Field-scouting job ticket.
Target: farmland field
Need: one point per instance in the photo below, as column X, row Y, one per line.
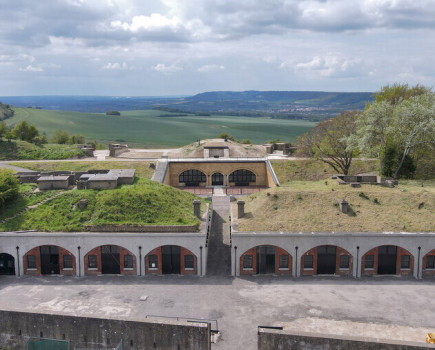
column 146, row 128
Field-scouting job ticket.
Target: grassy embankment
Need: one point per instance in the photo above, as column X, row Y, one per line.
column 146, row 128
column 144, row 203
column 21, row 150
column 314, row 206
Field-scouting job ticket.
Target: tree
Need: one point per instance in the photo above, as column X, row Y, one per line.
column 330, row 142
column 25, row 132
column 60, row 136
column 401, row 118
column 76, row 139
column 8, row 186
column 3, row 129
column 112, row 112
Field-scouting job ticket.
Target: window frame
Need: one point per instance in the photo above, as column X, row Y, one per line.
column 151, row 258
column 248, row 262
column 430, row 262
column 307, row 265
column 405, row 262
column 92, row 260
column 31, row 264
column 242, row 175
column 67, row 260
column 371, row 261
column 282, row 265
column 128, row 261
column 192, row 176
column 344, row 265
column 189, row 264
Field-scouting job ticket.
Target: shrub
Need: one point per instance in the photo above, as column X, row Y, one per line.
column 363, row 195
column 226, row 136
column 111, row 112
column 246, row 142
column 8, row 186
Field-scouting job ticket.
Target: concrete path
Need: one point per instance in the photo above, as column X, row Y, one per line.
column 219, row 251
column 4, row 165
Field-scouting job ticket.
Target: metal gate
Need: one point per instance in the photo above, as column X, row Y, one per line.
column 217, row 179
column 47, row 344
column 265, row 259
column 110, row 259
column 171, row 259
column 49, row 260
column 387, row 258
column 326, row 259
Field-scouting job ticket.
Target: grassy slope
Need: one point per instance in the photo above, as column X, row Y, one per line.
column 146, row 128
column 142, row 168
column 24, row 150
column 145, row 203
column 313, row 206
column 314, row 170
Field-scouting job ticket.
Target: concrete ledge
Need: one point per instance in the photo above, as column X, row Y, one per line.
column 271, row 339
column 139, row 228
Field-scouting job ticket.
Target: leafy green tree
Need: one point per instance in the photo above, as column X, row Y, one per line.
column 3, row 129
column 60, row 137
column 226, row 136
column 8, row 186
column 329, row 141
column 76, row 139
column 25, row 132
column 394, row 94
column 246, row 141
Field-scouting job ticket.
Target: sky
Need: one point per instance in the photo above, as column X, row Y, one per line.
column 183, row 47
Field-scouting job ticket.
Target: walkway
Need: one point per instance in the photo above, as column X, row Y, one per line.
column 219, row 250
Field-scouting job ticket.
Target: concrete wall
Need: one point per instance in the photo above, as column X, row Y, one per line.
column 272, row 339
column 87, row 332
column 356, row 244
column 81, row 243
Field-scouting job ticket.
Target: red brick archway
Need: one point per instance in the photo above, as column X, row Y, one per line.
column 94, row 260
column 314, row 261
column 156, row 261
column 373, row 260
column 49, row 259
column 266, row 259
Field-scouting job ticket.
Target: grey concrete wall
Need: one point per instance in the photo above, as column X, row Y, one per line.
column 272, row 339
column 90, row 240
column 357, row 244
column 144, row 228
column 88, row 332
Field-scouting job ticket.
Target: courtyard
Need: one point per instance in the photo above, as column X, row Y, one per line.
column 385, row 308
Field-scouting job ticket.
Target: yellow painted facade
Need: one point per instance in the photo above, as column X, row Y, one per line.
column 259, row 168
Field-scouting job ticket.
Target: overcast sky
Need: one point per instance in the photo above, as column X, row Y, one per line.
column 181, row 47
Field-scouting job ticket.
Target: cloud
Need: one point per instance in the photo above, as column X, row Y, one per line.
column 31, row 68
column 117, row 66
column 161, row 67
column 326, row 66
column 210, row 67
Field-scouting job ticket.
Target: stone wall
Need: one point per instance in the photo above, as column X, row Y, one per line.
column 271, row 339
column 17, row 328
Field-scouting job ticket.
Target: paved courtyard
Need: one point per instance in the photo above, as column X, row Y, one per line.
column 239, row 305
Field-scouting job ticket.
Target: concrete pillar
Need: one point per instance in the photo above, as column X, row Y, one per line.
column 344, row 206
column 197, row 208
column 226, row 183
column 240, row 209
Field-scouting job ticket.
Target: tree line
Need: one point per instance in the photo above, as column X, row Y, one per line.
column 26, row 132
column 398, row 128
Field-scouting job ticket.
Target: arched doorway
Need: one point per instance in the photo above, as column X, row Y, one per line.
column 110, row 260
column 326, row 259
column 265, row 259
column 7, row 264
column 217, row 179
column 50, row 260
column 242, row 177
column 387, row 259
column 170, row 259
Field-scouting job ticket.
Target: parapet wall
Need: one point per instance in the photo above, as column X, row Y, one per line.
column 271, row 339
column 17, row 328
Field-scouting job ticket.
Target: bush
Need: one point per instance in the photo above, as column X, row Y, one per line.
column 246, row 142
column 226, row 136
column 113, row 112
column 8, row 186
column 60, row 137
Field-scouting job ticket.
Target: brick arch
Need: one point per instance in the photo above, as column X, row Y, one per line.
column 157, row 252
column 241, row 169
column 428, row 270
column 34, row 255
column 193, row 169
column 374, row 252
column 98, row 269
column 278, row 253
column 312, row 254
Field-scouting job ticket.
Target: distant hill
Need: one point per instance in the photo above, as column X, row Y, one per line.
column 308, row 105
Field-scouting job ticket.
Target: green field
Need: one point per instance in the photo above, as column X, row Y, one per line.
column 147, row 129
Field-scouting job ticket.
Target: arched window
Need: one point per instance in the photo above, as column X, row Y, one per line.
column 242, row 177
column 192, row 177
